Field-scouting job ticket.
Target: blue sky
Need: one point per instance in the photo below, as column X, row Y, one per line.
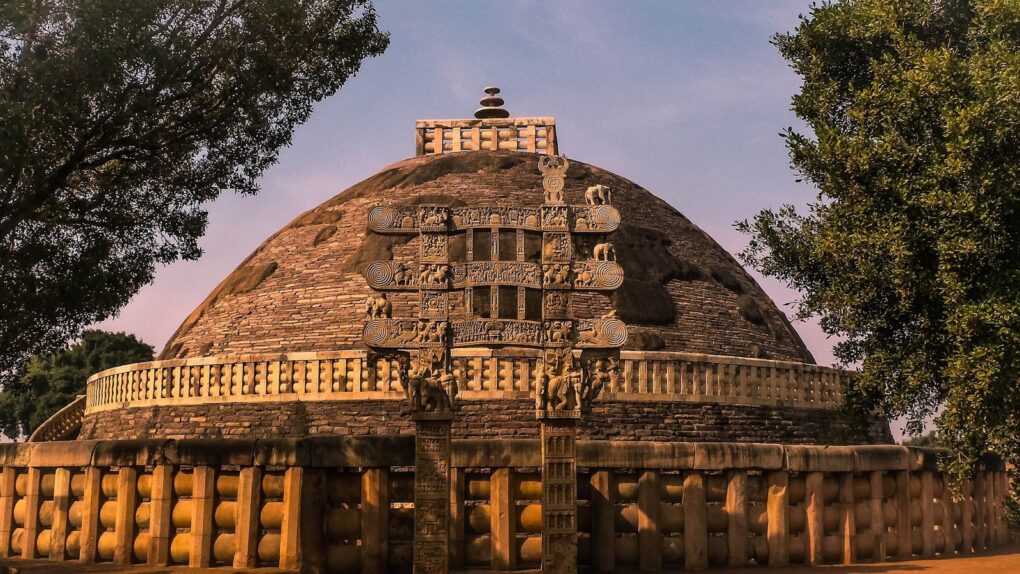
column 685, row 98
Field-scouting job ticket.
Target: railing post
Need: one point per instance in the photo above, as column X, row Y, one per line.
column 967, row 518
column 160, row 526
column 457, row 486
column 61, row 503
column 695, row 510
column 814, row 498
column 503, row 529
column 905, row 542
column 375, row 509
column 979, row 511
column 649, row 540
column 927, row 514
column 91, row 501
column 878, row 528
column 124, row 528
column 249, row 502
column 778, row 518
column 7, row 478
column 736, row 511
column 603, row 521
column 203, row 499
column 848, row 524
column 31, row 513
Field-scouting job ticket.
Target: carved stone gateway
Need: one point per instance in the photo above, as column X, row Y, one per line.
column 580, row 354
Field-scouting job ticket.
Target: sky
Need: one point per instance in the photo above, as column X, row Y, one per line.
column 686, row 98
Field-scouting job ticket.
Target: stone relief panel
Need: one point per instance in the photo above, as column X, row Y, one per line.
column 434, row 219
column 405, row 333
column 497, row 331
column 434, row 247
column 556, row 247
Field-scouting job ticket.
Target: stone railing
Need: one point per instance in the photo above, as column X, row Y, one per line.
column 535, row 135
column 484, row 374
column 63, row 425
column 346, row 504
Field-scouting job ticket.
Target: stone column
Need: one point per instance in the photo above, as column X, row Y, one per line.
column 559, row 493
column 432, row 492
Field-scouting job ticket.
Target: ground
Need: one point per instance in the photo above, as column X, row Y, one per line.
column 1005, row 561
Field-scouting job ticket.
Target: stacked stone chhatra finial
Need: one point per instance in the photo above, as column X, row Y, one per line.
column 491, row 105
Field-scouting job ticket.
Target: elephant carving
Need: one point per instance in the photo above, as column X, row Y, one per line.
column 604, row 251
column 599, row 195
column 377, row 306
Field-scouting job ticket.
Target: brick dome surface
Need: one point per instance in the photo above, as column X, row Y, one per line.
column 302, row 289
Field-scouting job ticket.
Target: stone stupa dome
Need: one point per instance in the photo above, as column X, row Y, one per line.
column 687, row 345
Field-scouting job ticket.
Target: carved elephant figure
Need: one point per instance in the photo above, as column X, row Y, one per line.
column 378, row 306
column 598, row 194
column 604, row 251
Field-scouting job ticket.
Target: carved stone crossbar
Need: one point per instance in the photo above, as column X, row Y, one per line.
column 572, row 218
column 416, row 333
column 583, row 275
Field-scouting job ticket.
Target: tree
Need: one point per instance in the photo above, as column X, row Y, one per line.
column 50, row 382
column 120, row 121
column 927, row 440
column 910, row 253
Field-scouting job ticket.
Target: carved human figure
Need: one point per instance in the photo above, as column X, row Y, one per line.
column 598, row 194
column 599, row 373
column 377, row 306
column 605, row 251
column 562, row 389
column 541, row 386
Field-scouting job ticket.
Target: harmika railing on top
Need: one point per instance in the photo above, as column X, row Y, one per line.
column 535, row 135
column 483, row 373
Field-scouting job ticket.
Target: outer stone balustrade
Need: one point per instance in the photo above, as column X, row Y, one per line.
column 482, row 373
column 346, row 504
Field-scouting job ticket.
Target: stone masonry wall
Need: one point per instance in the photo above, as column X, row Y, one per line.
column 674, row 421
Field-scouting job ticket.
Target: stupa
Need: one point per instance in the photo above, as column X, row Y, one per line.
column 487, row 356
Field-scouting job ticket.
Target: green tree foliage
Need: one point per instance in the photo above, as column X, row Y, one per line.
column 911, row 253
column 120, row 120
column 926, row 440
column 50, row 382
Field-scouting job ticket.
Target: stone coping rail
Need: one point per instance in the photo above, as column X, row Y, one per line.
column 484, row 373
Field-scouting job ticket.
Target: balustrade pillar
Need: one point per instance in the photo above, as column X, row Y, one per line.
column 503, row 520
column 375, row 508
column 777, row 507
column 603, row 521
column 7, row 479
column 736, row 511
column 61, row 503
column 695, row 507
column 649, row 539
column 160, row 520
